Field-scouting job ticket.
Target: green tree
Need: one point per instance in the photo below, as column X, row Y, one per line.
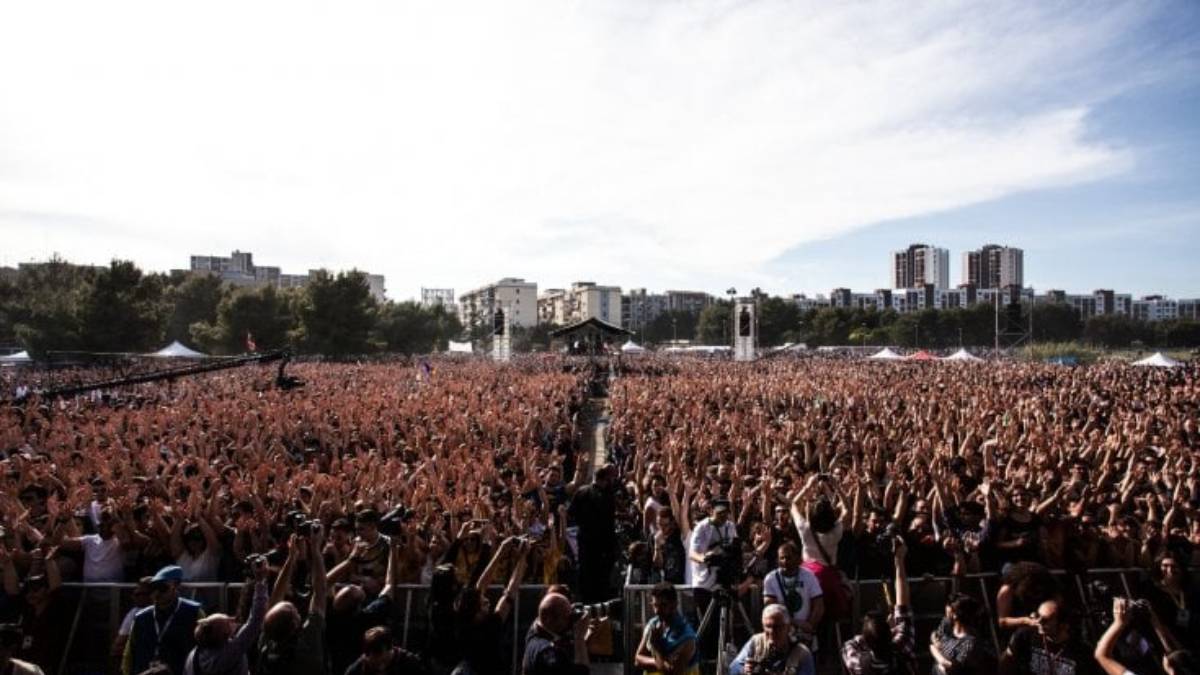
column 336, row 314
column 44, row 311
column 713, row 326
column 1111, row 330
column 264, row 313
column 123, row 310
column 194, row 300
column 670, row 325
column 409, row 328
column 778, row 321
column 1056, row 322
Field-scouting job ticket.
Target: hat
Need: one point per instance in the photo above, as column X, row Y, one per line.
column 168, row 573
column 720, row 505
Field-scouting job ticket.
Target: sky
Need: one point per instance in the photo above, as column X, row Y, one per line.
column 667, row 145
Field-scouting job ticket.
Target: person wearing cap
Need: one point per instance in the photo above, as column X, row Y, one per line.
column 10, row 642
column 164, row 632
column 707, row 537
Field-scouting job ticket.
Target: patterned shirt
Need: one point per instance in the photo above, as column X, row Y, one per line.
column 860, row 660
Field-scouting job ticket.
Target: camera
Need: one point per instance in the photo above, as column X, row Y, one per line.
column 726, row 559
column 255, row 561
column 1138, row 610
column 600, row 610
column 885, row 541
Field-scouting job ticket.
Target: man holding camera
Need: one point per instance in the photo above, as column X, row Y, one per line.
column 773, row 651
column 707, row 550
column 221, row 646
column 557, row 641
column 797, row 590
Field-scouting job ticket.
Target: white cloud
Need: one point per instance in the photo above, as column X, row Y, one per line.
column 661, row 144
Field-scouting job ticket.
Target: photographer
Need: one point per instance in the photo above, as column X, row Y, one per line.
column 10, row 640
column 221, row 647
column 480, row 627
column 884, row 648
column 797, row 590
column 549, row 649
column 708, row 549
column 669, row 643
column 773, row 652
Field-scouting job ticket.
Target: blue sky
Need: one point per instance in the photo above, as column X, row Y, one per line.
column 773, row 143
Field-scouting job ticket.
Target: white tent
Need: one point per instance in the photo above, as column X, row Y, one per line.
column 19, row 357
column 962, row 355
column 632, row 347
column 177, row 350
column 1158, row 360
column 460, row 347
column 885, row 354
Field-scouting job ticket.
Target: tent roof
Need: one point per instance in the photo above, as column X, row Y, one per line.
column 632, row 346
column 593, row 322
column 178, row 350
column 1158, row 360
column 20, row 357
column 921, row 356
column 886, row 353
column 460, row 347
column 962, row 355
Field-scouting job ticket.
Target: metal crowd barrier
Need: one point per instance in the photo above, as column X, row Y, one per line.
column 101, row 607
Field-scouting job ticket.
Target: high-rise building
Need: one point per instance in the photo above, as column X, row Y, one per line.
column 583, row 300
column 994, row 267
column 919, row 265
column 239, row 269
column 432, row 297
column 516, row 296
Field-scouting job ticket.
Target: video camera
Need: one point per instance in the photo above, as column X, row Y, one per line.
column 726, row 559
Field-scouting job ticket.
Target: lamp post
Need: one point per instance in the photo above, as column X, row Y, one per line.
column 674, row 333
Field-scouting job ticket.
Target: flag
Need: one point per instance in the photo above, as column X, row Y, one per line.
column 250, row 346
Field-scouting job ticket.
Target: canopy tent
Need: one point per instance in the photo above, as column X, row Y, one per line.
column 962, row 355
column 590, row 337
column 632, row 347
column 1158, row 360
column 1063, row 361
column 177, row 350
column 921, row 356
column 460, row 348
column 19, row 357
column 885, row 354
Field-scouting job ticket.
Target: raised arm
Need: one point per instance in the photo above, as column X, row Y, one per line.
column 320, row 585
column 1108, row 641
column 283, row 582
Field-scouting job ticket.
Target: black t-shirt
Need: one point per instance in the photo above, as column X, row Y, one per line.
column 594, row 511
column 1034, row 656
column 346, row 630
column 674, row 559
column 481, row 643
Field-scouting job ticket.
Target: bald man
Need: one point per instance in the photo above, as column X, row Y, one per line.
column 289, row 644
column 548, row 645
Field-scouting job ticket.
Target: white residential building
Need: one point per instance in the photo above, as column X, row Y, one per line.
column 994, row 267
column 515, row 296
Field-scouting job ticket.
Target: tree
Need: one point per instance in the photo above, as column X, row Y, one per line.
column 675, row 324
column 336, row 314
column 1056, row 322
column 194, row 300
column 264, row 313
column 410, row 328
column 43, row 310
column 123, row 310
column 1111, row 330
column 778, row 321
column 713, row 326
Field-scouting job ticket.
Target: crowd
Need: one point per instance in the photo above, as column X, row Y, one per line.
column 785, row 480
column 823, row 471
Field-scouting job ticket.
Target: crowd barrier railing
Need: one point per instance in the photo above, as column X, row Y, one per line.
column 100, row 609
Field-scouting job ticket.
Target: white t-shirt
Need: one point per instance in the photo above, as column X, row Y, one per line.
column 199, row 568
column 103, row 559
column 829, row 540
column 704, row 538
column 804, row 589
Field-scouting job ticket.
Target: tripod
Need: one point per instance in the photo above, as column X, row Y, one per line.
column 721, row 607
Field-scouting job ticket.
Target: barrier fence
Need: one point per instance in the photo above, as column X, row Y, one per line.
column 98, row 609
